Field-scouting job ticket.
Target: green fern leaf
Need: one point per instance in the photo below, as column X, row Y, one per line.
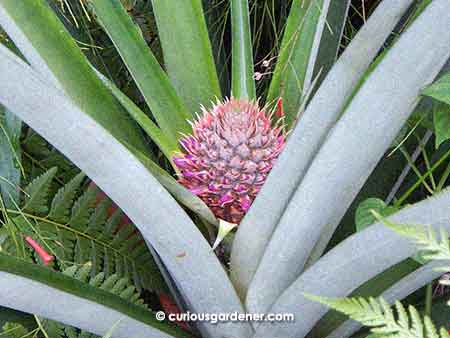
column 417, row 326
column 14, row 330
column 444, row 333
column 36, row 193
column 82, row 209
column 87, row 233
column 380, row 318
column 425, row 238
column 52, row 329
column 364, row 216
column 83, row 272
column 403, row 318
column 64, row 200
column 430, row 329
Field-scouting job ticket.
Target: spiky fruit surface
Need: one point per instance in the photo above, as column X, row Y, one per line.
column 227, row 159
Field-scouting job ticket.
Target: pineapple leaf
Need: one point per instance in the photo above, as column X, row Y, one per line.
column 155, row 212
column 317, row 120
column 29, row 287
column 167, row 145
column 285, row 257
column 36, row 193
column 56, row 55
column 309, row 48
column 195, row 82
column 166, row 106
column 10, row 157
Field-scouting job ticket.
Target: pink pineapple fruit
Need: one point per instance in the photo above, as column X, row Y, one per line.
column 229, row 155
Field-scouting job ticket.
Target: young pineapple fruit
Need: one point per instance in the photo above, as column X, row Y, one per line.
column 229, row 155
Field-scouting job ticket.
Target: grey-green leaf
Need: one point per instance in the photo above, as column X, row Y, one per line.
column 52, row 52
column 160, row 219
column 10, row 157
column 361, row 256
column 34, row 289
column 387, row 98
column 321, row 114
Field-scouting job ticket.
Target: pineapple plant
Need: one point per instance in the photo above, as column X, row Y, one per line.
column 285, row 167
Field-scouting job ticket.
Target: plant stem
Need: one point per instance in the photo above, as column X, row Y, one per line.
column 428, row 299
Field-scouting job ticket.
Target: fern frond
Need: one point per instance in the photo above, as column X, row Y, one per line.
column 433, row 247
column 77, row 229
column 40, row 156
column 63, row 200
column 377, row 314
column 36, row 193
column 14, row 330
column 115, row 284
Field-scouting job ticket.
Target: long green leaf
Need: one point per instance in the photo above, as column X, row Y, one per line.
column 34, row 289
column 162, row 222
column 309, row 48
column 330, row 42
column 242, row 81
column 168, row 147
column 166, row 144
column 10, row 157
column 54, row 53
column 167, row 108
column 304, row 142
column 188, row 56
column 293, row 60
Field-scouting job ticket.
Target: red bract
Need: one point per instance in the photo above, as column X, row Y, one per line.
column 228, row 157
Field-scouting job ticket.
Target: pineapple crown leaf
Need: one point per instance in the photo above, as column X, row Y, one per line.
column 383, row 320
